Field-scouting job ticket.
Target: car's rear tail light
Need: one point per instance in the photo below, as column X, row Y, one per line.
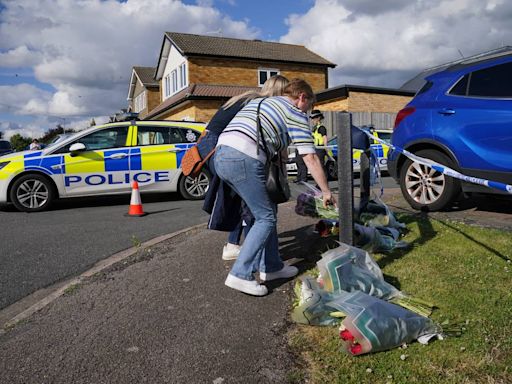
column 402, row 114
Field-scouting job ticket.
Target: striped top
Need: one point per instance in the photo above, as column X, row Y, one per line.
column 282, row 124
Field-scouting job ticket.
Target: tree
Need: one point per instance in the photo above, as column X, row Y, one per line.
column 20, row 143
column 50, row 134
column 1, row 134
column 93, row 122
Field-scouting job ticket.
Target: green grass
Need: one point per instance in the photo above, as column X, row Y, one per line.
column 466, row 271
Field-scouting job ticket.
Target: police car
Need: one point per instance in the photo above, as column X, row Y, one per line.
column 104, row 160
column 381, row 151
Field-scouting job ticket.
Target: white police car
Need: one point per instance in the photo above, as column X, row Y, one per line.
column 103, row 160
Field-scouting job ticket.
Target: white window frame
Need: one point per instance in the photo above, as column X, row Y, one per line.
column 174, row 81
column 267, row 71
column 183, row 75
column 140, row 102
column 167, row 86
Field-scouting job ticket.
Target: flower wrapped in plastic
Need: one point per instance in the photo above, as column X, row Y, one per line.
column 377, row 239
column 328, row 227
column 373, row 325
column 349, row 269
column 311, row 305
column 375, row 213
column 310, row 203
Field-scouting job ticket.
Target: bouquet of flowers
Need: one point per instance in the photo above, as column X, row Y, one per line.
column 328, row 227
column 373, row 325
column 311, row 306
column 377, row 239
column 377, row 214
column 310, row 203
column 349, row 269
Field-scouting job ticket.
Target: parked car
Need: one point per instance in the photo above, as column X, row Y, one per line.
column 5, row 147
column 461, row 118
column 331, row 164
column 103, row 160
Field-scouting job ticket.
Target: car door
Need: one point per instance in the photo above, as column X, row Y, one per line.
column 475, row 118
column 102, row 168
column 156, row 157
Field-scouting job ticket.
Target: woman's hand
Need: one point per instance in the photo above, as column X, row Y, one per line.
column 329, row 199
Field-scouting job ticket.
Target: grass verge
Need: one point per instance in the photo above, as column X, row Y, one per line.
column 467, row 272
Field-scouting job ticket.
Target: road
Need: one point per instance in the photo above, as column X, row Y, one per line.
column 40, row 249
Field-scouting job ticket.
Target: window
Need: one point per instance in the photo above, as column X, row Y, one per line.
column 190, row 135
column 460, row 89
column 155, row 135
column 492, row 82
column 113, row 137
column 183, row 75
column 174, row 81
column 140, row 102
column 167, row 86
column 266, row 73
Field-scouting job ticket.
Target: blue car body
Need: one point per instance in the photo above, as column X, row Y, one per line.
column 465, row 113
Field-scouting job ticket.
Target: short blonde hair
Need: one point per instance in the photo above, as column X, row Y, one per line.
column 274, row 86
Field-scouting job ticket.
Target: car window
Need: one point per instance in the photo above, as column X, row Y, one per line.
column 5, row 144
column 190, row 135
column 107, row 138
column 425, row 87
column 386, row 136
column 460, row 89
column 492, row 82
column 155, row 135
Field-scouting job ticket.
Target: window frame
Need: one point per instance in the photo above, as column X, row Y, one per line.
column 268, row 72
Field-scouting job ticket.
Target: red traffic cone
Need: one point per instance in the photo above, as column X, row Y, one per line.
column 135, row 203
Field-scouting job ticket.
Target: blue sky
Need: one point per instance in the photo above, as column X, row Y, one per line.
column 68, row 61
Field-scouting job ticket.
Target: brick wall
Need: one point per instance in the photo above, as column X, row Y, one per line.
column 362, row 102
column 195, row 110
column 359, row 101
column 245, row 73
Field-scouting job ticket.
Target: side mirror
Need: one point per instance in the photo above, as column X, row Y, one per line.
column 77, row 147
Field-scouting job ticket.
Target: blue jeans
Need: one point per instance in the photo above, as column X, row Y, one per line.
column 246, row 175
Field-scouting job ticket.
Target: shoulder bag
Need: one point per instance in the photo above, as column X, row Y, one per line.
column 276, row 182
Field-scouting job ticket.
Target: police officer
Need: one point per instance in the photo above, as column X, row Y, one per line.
column 319, row 135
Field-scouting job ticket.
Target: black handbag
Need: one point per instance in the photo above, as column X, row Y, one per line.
column 276, row 181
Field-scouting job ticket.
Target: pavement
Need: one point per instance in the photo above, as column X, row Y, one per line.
column 160, row 313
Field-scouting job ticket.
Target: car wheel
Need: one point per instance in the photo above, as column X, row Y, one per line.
column 195, row 188
column 32, row 193
column 332, row 170
column 425, row 188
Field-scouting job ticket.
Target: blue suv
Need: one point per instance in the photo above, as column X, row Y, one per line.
column 461, row 118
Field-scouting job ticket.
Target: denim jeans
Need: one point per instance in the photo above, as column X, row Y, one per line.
column 246, row 175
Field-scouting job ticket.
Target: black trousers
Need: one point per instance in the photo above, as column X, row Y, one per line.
column 302, row 170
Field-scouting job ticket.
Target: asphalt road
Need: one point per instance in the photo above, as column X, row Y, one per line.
column 40, row 249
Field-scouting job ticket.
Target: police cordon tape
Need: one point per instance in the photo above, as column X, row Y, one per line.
column 440, row 167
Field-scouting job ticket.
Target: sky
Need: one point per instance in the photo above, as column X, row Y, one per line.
column 68, row 61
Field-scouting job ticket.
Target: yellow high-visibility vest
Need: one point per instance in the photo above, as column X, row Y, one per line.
column 317, row 136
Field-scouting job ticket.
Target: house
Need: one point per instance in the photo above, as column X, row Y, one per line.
column 368, row 105
column 144, row 91
column 197, row 74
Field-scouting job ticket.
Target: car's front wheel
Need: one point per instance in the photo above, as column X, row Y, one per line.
column 195, row 188
column 32, row 193
column 423, row 187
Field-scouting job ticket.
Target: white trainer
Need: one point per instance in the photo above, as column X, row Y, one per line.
column 251, row 287
column 230, row 251
column 285, row 273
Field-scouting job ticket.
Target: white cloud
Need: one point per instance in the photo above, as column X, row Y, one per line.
column 23, row 99
column 85, row 49
column 381, row 43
